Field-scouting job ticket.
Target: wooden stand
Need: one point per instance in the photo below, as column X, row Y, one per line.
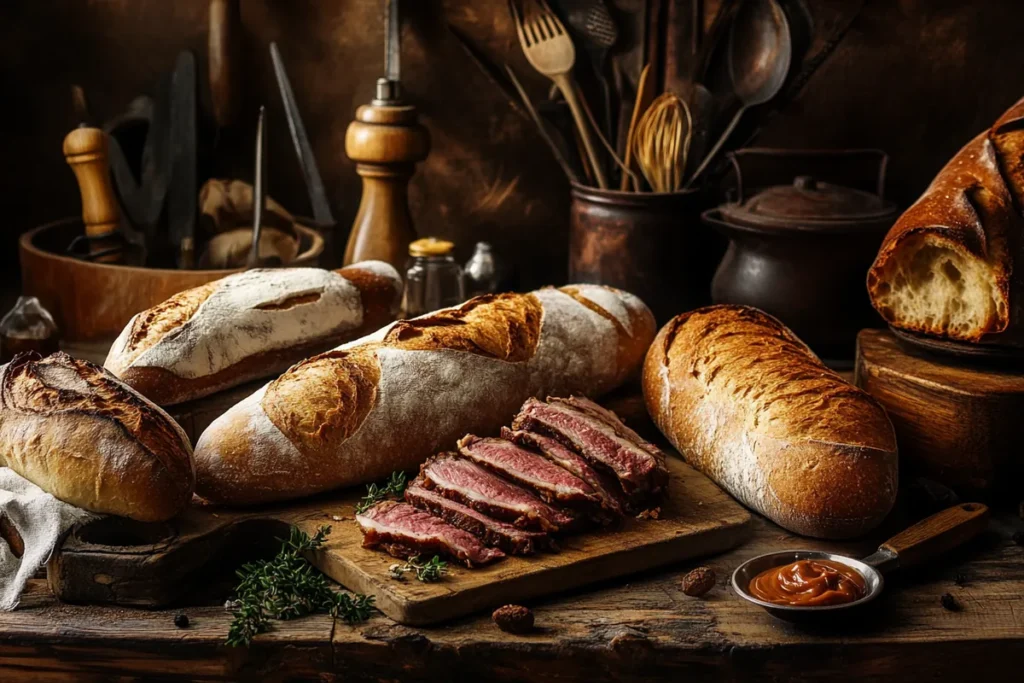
column 385, row 141
column 959, row 424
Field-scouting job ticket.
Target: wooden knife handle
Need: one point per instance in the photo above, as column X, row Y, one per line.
column 87, row 152
column 224, row 60
column 938, row 534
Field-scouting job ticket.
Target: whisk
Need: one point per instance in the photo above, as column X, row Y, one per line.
column 661, row 142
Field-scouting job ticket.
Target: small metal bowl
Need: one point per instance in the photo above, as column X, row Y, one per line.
column 741, row 578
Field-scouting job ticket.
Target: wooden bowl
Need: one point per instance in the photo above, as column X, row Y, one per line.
column 92, row 302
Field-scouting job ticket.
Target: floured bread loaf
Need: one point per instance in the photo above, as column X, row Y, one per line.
column 249, row 325
column 390, row 400
column 748, row 404
column 78, row 433
column 951, row 264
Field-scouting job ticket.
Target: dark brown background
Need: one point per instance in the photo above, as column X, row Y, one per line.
column 914, row 77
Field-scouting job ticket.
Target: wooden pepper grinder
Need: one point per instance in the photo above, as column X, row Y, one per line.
column 386, row 141
column 87, row 151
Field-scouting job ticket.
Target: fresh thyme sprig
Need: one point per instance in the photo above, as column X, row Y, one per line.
column 395, row 486
column 287, row 587
column 427, row 572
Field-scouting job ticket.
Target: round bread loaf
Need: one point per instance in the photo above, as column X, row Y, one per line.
column 249, row 325
column 390, row 400
column 748, row 404
column 78, row 433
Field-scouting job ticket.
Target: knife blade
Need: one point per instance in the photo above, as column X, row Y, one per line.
column 310, row 171
column 182, row 199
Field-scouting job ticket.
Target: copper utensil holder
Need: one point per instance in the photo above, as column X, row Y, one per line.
column 650, row 244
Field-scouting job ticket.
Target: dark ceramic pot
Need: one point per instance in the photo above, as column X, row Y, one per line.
column 650, row 244
column 801, row 250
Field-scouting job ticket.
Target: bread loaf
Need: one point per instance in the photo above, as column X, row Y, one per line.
column 749, row 405
column 953, row 264
column 249, row 325
column 392, row 399
column 77, row 432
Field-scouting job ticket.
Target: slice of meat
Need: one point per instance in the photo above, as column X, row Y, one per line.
column 640, row 473
column 529, row 469
column 492, row 532
column 585, row 405
column 607, row 488
column 472, row 485
column 404, row 531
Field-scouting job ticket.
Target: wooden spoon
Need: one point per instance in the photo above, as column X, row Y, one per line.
column 644, row 97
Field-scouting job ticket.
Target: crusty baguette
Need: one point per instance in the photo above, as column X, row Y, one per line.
column 392, row 399
column 953, row 265
column 77, row 432
column 748, row 404
column 249, row 325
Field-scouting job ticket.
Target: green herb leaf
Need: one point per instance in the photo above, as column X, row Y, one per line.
column 427, row 572
column 395, row 486
column 288, row 587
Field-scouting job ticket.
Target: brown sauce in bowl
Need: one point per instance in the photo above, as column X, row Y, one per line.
column 809, row 583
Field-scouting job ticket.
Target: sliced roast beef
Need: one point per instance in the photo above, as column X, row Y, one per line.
column 639, row 472
column 606, row 487
column 492, row 532
column 585, row 405
column 472, row 485
column 551, row 482
column 404, row 531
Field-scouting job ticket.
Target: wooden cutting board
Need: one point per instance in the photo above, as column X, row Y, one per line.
column 118, row 561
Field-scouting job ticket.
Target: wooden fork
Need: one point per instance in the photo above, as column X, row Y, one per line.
column 550, row 51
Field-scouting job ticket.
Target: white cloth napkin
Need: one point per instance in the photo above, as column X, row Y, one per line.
column 40, row 520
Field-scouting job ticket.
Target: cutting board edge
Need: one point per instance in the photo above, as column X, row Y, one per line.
column 731, row 533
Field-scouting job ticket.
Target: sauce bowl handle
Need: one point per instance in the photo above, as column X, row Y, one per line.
column 937, row 534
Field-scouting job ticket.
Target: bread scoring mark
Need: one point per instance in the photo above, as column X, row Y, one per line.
column 291, row 302
column 257, row 311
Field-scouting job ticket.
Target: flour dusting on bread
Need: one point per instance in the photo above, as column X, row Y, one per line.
column 467, row 369
column 253, row 312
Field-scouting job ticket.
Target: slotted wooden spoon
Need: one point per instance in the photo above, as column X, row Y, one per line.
column 550, row 51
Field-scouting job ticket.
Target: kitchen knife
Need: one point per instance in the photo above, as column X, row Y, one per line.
column 314, row 183
column 182, row 196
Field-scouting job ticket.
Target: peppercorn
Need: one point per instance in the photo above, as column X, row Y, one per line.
column 513, row 619
column 949, row 602
column 699, row 581
column 960, row 579
column 181, row 621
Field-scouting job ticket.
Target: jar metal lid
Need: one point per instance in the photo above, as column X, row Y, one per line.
column 430, row 246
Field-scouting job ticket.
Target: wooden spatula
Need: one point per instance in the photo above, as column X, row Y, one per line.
column 644, row 97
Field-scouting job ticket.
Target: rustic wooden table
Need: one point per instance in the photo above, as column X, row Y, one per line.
column 645, row 629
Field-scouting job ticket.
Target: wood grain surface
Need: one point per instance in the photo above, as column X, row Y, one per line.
column 126, row 563
column 643, row 629
column 959, row 424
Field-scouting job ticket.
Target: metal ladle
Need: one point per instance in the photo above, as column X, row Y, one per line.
column 923, row 541
column 759, row 52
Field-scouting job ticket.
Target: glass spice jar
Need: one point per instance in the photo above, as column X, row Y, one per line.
column 433, row 279
column 481, row 271
column 28, row 327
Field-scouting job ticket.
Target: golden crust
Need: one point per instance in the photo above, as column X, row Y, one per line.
column 973, row 207
column 747, row 403
column 79, row 433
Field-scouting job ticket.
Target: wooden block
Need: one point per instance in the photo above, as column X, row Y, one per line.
column 123, row 562
column 959, row 424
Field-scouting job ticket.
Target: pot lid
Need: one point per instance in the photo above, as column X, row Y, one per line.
column 809, row 202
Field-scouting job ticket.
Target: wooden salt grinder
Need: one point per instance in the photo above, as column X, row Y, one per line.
column 87, row 153
column 386, row 141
